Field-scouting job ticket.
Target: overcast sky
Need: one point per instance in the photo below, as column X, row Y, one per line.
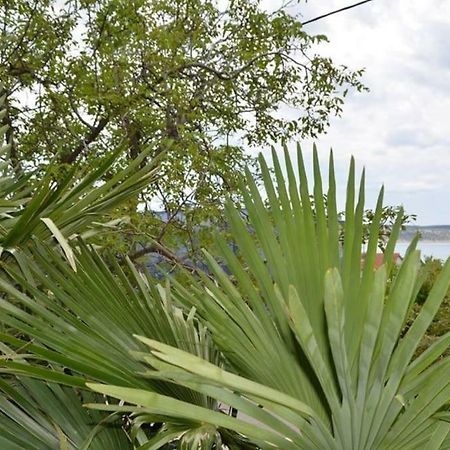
column 400, row 130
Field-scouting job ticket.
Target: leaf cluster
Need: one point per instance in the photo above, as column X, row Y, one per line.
column 205, row 78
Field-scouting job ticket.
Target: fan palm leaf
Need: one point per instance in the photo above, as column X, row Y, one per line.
column 74, row 204
column 315, row 332
column 40, row 416
column 78, row 326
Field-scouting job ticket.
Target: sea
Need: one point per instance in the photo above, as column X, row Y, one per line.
column 436, row 249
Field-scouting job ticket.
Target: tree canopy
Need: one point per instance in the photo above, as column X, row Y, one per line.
column 199, row 79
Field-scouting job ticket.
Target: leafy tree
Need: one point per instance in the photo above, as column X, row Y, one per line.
column 205, row 78
column 389, row 215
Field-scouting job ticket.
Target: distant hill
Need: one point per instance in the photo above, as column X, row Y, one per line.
column 435, row 233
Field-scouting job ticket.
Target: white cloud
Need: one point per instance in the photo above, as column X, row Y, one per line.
column 399, row 130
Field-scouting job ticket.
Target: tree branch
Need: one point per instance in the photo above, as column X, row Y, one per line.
column 156, row 247
column 9, row 135
column 231, row 75
column 70, row 158
column 133, row 132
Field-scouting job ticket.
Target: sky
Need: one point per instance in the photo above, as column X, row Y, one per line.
column 400, row 130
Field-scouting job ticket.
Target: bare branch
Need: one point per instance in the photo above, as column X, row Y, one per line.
column 77, row 113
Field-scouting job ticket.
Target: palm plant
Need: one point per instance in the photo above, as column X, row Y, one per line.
column 315, row 342
column 81, row 325
column 307, row 342
column 36, row 416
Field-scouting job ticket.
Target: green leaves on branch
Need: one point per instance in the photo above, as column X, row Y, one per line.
column 207, row 77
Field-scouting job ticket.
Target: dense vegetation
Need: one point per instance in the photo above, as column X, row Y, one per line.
column 431, row 270
column 198, row 79
column 299, row 338
column 286, row 340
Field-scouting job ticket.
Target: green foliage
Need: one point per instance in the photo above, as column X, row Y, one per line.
column 82, row 78
column 431, row 270
column 40, row 416
column 301, row 340
column 319, row 344
column 81, row 325
column 389, row 216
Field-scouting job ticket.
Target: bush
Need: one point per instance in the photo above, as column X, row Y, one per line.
column 430, row 271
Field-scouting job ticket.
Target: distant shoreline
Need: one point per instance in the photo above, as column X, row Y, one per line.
column 429, row 235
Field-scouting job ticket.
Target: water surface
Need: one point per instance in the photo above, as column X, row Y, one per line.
column 438, row 250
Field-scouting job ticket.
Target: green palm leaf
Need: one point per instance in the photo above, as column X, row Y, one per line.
column 40, row 416
column 315, row 333
column 75, row 203
column 81, row 325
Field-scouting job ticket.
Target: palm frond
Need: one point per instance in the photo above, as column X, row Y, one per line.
column 78, row 326
column 75, row 203
column 40, row 416
column 314, row 331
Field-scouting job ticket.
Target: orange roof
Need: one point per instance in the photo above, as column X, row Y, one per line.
column 379, row 259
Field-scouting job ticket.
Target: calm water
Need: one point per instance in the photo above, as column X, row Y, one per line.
column 439, row 250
